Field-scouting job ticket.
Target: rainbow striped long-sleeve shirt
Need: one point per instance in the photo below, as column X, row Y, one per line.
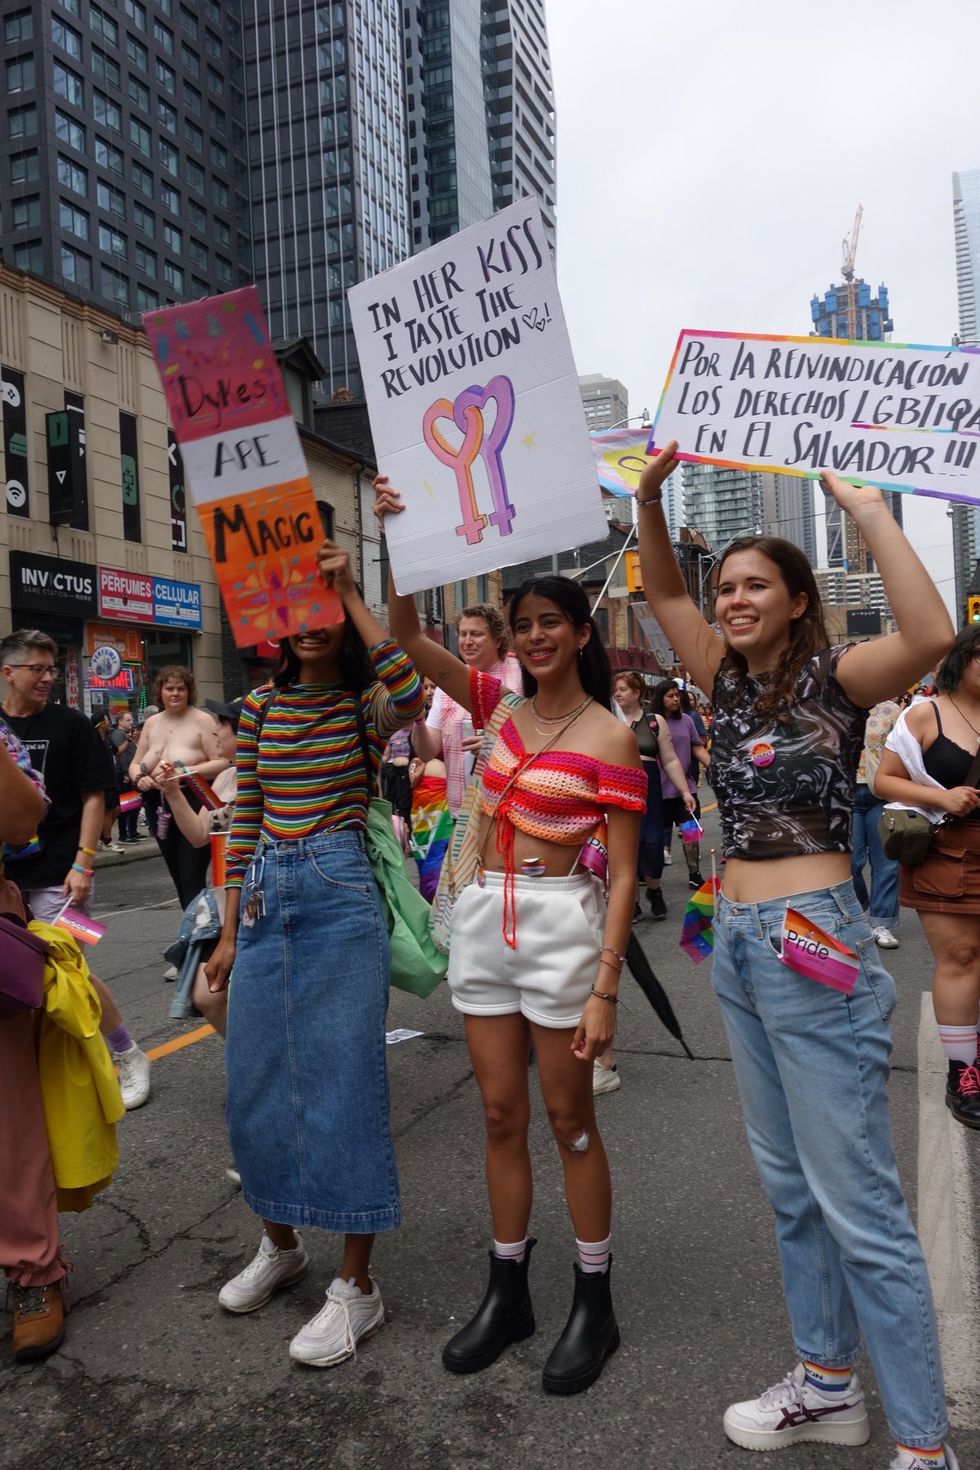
column 305, row 772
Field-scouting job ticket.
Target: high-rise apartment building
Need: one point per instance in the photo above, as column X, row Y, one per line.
column 722, row 503
column 520, row 105
column 122, row 148
column 966, row 235
column 788, row 511
column 605, row 400
column 327, row 155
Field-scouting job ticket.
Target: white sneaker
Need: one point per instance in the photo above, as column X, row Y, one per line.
column 171, row 972
column 333, row 1334
column 667, row 857
column 134, row 1076
column 269, row 1272
column 792, row 1411
column 111, row 847
column 904, row 1460
column 884, row 938
column 605, row 1079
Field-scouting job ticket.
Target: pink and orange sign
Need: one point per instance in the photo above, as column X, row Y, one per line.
column 244, row 465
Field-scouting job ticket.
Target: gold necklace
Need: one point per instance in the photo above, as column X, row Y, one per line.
column 552, row 720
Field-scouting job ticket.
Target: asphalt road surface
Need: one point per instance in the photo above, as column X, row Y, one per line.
column 153, row 1373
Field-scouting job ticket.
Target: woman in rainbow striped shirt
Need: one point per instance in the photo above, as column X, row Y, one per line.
column 308, row 1113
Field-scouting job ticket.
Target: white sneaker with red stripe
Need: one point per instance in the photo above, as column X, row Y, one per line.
column 792, row 1411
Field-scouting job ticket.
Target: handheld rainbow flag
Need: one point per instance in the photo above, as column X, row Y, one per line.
column 80, row 926
column 130, row 801
column 697, row 932
column 812, row 952
column 431, row 830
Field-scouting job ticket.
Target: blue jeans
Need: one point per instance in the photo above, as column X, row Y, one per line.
column 812, row 1066
column 866, row 848
column 307, row 1107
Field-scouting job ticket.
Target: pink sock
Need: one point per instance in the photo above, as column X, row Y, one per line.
column 594, row 1255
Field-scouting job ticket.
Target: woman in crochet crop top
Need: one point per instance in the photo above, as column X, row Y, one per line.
column 812, row 1060
column 534, row 951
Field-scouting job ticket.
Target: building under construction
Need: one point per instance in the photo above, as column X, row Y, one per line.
column 850, row 311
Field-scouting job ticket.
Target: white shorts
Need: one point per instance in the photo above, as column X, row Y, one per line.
column 46, row 903
column 547, row 978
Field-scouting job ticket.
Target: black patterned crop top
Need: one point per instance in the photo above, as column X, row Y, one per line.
column 786, row 787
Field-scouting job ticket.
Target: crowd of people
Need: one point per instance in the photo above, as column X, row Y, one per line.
column 564, row 784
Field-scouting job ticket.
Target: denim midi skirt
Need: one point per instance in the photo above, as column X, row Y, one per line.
column 308, row 1108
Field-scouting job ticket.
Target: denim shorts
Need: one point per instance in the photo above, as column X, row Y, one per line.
column 308, row 1111
column 547, row 978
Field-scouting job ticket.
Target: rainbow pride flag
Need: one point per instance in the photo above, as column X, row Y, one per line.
column 12, row 854
column 812, row 952
column 80, row 926
column 697, row 930
column 431, row 830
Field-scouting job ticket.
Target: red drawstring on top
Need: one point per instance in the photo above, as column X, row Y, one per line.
column 504, row 843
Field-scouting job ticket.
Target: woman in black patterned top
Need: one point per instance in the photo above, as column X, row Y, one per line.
column 811, row 1041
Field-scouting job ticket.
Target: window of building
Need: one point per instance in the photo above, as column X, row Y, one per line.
column 22, row 121
column 143, row 179
column 197, row 251
column 164, row 36
column 67, row 130
column 173, row 238
column 105, row 111
column 107, row 155
column 145, row 220
column 222, row 268
column 197, row 215
column 212, row 45
column 192, row 99
column 167, row 77
column 167, row 6
column 103, row 25
column 167, row 116
column 73, row 219
column 110, row 198
column 68, row 84
column 136, row 13
column 146, row 299
column 194, row 174
column 139, row 93
column 188, row 22
column 113, row 242
column 20, row 74
column 75, row 266
column 169, row 157
column 137, row 53
column 114, row 285
column 66, row 37
column 145, row 260
column 72, row 176
column 173, row 275
column 199, row 287
column 190, row 59
column 193, row 135
column 18, row 27
column 171, row 198
column 105, row 66
column 25, row 214
column 219, row 192
column 29, row 256
column 140, row 137
column 222, row 232
column 24, row 167
column 213, row 11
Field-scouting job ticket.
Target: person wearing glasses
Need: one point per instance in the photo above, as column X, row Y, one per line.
column 56, row 866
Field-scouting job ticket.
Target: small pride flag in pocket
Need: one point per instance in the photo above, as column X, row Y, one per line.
column 813, row 952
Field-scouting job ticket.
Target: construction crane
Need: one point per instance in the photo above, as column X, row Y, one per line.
column 849, row 247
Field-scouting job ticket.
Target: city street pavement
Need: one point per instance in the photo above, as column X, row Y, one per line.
column 153, row 1373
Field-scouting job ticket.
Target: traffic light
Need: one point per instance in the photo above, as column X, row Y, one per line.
column 973, row 609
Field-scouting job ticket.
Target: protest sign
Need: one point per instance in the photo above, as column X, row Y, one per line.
column 903, row 417
column 244, row 465
column 474, row 402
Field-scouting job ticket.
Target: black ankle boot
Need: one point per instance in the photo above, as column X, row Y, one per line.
column 505, row 1315
column 590, row 1336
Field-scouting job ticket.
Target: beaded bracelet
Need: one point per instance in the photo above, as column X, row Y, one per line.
column 86, row 872
column 649, row 500
column 608, row 949
column 604, row 995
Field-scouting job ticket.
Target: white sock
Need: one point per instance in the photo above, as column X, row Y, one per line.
column 514, row 1251
column 959, row 1043
column 594, row 1255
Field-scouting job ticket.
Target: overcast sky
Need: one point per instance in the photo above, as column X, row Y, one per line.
column 712, row 155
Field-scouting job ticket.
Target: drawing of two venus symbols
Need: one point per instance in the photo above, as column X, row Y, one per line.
column 477, row 442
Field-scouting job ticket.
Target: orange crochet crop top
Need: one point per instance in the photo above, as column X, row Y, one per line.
column 562, row 795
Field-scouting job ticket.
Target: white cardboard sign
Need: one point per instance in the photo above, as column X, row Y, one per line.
column 905, row 418
column 474, row 404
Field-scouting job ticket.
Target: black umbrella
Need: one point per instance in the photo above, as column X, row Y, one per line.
column 642, row 972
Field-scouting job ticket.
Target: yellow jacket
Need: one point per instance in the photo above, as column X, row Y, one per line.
column 79, row 1089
